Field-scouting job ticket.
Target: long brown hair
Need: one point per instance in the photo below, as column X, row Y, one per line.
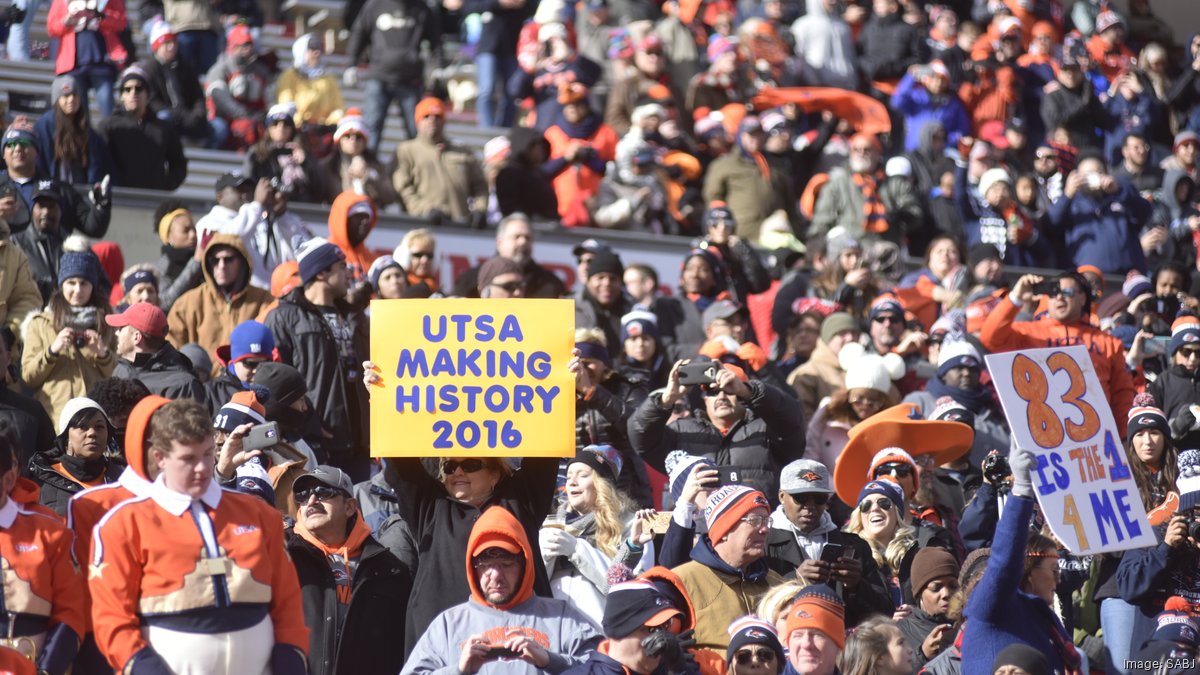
column 60, row 310
column 866, row 646
column 71, row 136
column 1168, row 471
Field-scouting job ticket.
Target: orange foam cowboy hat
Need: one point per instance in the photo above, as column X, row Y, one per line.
column 901, row 426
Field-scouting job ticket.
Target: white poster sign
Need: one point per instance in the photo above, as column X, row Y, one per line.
column 1056, row 407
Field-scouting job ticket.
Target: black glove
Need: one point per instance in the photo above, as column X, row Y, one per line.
column 437, row 217
column 1185, row 422
column 672, row 648
column 11, row 14
column 477, row 220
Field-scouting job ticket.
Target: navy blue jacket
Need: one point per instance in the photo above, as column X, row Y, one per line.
column 1102, row 230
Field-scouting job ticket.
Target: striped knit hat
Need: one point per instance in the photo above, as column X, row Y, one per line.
column 1146, row 415
column 1185, row 330
column 727, row 505
column 243, row 408
column 679, row 465
column 819, row 607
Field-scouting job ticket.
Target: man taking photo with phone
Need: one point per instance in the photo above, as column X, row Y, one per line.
column 744, row 422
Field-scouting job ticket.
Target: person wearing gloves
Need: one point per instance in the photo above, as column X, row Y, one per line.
column 815, row 633
column 1013, row 602
column 802, row 528
column 540, row 634
column 579, row 543
column 728, row 572
column 1146, row 577
column 243, row 614
column 642, row 626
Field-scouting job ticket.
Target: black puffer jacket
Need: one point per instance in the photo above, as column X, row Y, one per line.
column 769, row 436
column 442, row 526
column 1174, row 391
column 166, row 373
column 365, row 643
column 305, row 342
column 57, row 489
column 888, row 47
column 522, row 186
column 603, row 419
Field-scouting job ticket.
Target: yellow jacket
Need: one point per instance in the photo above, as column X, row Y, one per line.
column 317, row 101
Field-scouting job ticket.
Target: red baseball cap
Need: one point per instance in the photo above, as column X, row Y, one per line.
column 143, row 316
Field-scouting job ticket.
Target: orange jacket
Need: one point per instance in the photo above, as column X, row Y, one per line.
column 577, row 183
column 29, row 495
column 41, row 581
column 1002, row 334
column 150, row 563
column 1112, row 61
column 13, row 662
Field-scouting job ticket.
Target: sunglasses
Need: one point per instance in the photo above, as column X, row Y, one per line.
column 253, row 364
column 1044, row 155
column 813, row 498
column 1189, row 353
column 224, row 260
column 19, row 143
column 869, row 505
column 322, row 492
column 135, row 89
column 888, row 318
column 421, row 254
column 764, row 655
column 711, row 392
column 1056, row 291
column 467, row 465
column 898, row 469
column 510, row 286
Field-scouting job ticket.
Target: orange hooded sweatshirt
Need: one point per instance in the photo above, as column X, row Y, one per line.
column 358, row 256
column 348, row 550
column 87, row 507
column 497, row 528
column 1002, row 334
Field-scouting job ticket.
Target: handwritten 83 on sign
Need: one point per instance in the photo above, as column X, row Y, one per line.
column 473, row 378
column 1056, row 407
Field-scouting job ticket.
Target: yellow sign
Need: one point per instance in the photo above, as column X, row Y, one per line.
column 473, row 378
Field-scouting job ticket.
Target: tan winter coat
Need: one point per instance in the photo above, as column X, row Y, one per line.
column 817, row 378
column 19, row 296
column 428, row 177
column 205, row 316
column 58, row 379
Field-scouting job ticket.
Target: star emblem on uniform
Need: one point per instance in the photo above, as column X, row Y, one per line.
column 96, row 571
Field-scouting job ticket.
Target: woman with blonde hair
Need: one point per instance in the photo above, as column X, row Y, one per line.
column 876, row 647
column 774, row 606
column 417, row 253
column 580, row 542
column 877, row 519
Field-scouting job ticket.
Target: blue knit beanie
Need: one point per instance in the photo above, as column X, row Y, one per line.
column 315, row 256
column 679, row 466
column 82, row 265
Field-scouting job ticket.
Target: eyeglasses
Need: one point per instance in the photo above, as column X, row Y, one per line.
column 813, row 498
column 755, row 521
column 323, row 493
column 869, row 505
column 421, row 254
column 133, row 88
column 888, row 318
column 898, row 469
column 1056, row 291
column 764, row 655
column 224, row 260
column 498, row 564
column 510, row 286
column 467, row 465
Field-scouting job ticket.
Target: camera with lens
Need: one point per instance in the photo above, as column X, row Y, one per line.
column 1045, row 287
column 81, row 320
column 996, row 469
column 585, row 153
column 1192, row 520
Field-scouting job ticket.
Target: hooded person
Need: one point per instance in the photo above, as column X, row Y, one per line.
column 581, row 145
column 521, row 184
column 209, row 312
column 290, row 407
column 351, row 219
column 88, row 507
column 236, row 90
column 310, row 85
column 280, row 463
column 826, row 46
column 541, row 634
column 80, row 456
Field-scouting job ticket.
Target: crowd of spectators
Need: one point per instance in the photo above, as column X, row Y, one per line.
column 789, row 459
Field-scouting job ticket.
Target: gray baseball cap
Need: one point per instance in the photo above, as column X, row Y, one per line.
column 805, row 475
column 325, row 475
